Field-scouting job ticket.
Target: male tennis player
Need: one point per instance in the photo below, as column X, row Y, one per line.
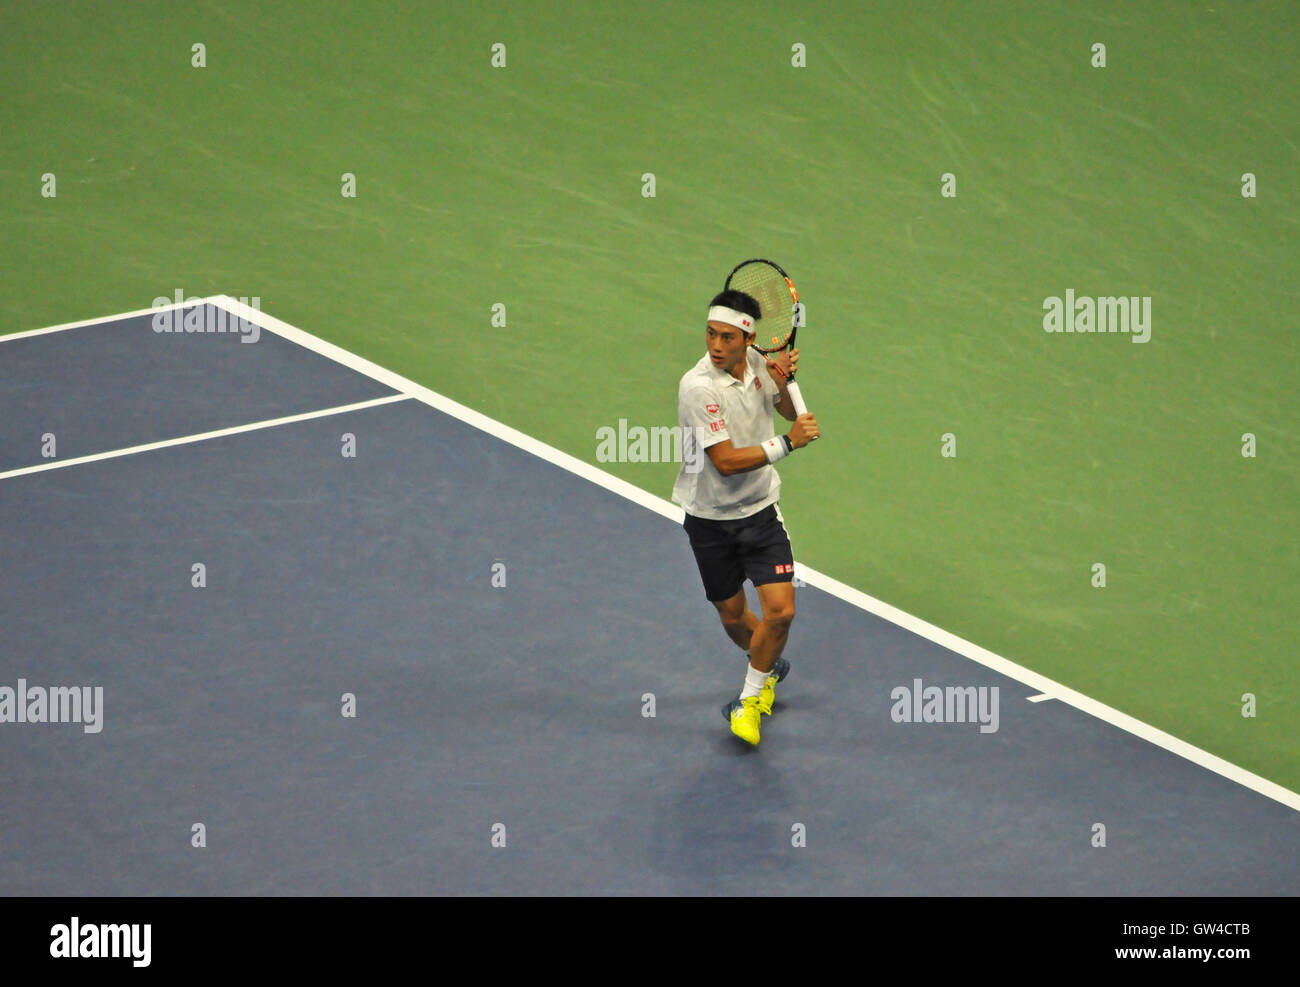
column 724, row 405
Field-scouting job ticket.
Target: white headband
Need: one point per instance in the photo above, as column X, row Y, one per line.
column 720, row 313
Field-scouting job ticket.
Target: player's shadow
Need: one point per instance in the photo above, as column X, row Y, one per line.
column 713, row 827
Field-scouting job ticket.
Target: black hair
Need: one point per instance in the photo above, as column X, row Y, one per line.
column 741, row 302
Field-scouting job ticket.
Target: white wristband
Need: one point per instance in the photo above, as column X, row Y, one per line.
column 776, row 448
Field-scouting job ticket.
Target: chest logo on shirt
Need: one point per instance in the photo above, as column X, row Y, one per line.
column 712, row 409
column 758, row 384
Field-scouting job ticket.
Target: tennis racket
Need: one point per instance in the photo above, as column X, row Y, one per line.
column 778, row 300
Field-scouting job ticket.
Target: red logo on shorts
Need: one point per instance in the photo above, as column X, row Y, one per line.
column 712, row 409
column 781, row 570
column 717, row 426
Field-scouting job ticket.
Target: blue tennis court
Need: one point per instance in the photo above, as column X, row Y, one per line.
column 418, row 658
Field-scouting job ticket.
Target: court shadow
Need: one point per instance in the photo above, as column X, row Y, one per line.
column 719, row 819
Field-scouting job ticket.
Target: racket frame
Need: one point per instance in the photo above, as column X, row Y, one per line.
column 796, row 396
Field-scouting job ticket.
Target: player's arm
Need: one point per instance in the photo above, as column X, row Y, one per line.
column 784, row 405
column 729, row 460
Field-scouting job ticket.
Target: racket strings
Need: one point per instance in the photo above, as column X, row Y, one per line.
column 771, row 290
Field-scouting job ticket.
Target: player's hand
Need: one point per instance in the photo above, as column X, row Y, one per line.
column 785, row 364
column 804, row 430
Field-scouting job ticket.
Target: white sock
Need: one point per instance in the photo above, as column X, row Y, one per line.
column 754, row 680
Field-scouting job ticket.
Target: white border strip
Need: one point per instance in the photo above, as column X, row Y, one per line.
column 407, row 388
column 342, row 409
column 102, row 319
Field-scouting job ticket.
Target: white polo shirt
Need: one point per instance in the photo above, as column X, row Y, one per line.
column 711, row 406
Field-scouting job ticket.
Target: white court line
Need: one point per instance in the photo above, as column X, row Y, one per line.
column 57, row 464
column 982, row 656
column 102, row 319
column 1039, row 698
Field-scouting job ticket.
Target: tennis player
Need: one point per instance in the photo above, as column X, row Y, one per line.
column 733, row 519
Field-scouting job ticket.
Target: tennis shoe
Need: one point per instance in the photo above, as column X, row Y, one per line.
column 767, row 696
column 744, row 718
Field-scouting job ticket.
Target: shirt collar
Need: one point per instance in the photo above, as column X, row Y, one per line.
column 720, row 373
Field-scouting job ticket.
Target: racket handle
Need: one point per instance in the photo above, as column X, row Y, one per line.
column 796, row 396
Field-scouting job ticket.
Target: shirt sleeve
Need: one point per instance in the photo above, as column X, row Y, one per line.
column 700, row 413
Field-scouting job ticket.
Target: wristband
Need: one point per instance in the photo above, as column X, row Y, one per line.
column 776, row 449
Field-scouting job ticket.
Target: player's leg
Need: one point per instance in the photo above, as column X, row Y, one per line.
column 769, row 564
column 737, row 619
column 768, row 639
column 744, row 712
column 723, row 575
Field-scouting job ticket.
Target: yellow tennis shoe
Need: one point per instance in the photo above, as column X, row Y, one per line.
column 744, row 718
column 767, row 696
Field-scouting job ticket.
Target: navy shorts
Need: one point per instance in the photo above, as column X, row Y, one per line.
column 729, row 552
